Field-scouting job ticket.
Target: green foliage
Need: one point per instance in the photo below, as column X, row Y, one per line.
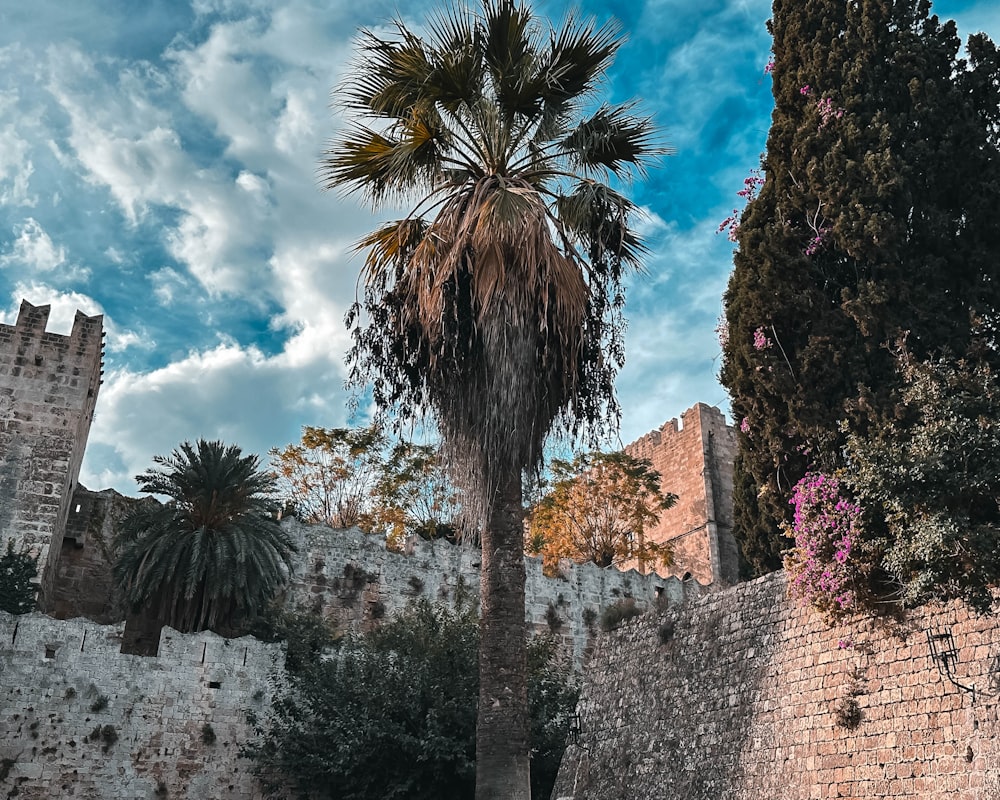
column 392, row 713
column 877, row 216
column 307, row 635
column 213, row 555
column 597, row 508
column 18, row 571
column 553, row 692
column 930, row 482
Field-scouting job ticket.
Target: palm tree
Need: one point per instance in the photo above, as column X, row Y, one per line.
column 494, row 306
column 213, row 555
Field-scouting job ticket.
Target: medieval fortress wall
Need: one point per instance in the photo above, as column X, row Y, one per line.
column 714, row 693
column 747, row 695
column 81, row 718
column 48, row 390
column 695, row 462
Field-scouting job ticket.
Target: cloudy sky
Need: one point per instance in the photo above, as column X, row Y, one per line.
column 158, row 165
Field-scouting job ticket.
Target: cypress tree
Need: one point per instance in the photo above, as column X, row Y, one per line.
column 877, row 219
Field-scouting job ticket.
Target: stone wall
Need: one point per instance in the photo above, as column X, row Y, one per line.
column 695, row 462
column 83, row 585
column 48, row 389
column 80, row 719
column 353, row 581
column 351, row 578
column 746, row 695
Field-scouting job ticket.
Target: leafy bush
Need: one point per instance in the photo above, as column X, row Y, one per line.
column 305, row 633
column 392, row 714
column 932, row 478
column 17, row 571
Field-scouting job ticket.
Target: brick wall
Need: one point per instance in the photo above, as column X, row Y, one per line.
column 48, row 388
column 695, row 460
column 745, row 695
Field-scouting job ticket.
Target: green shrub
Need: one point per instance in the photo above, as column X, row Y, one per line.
column 392, row 713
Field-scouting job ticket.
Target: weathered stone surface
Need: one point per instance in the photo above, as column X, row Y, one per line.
column 81, row 719
column 352, row 579
column 746, row 695
column 48, row 389
column 695, row 462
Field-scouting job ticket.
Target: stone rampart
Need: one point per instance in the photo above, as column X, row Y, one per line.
column 746, row 695
column 352, row 579
column 694, row 457
column 48, row 389
column 80, row 719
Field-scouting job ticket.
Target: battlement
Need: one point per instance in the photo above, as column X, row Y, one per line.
column 694, row 457
column 48, row 391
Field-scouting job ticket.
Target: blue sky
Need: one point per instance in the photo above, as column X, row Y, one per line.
column 159, row 166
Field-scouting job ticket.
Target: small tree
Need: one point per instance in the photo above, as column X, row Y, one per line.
column 345, row 477
column 598, row 508
column 331, row 474
column 18, row 571
column 213, row 555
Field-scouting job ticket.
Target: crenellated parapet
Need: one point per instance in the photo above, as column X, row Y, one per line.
column 694, row 457
column 48, row 390
column 354, row 580
column 74, row 710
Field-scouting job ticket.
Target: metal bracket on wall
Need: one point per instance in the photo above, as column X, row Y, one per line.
column 944, row 654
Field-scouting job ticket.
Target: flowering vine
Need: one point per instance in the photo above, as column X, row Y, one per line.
column 827, row 528
column 722, row 331
column 760, row 340
column 751, row 185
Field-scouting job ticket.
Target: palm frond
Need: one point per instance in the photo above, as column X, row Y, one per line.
column 599, row 218
column 510, row 52
column 580, row 54
column 613, row 139
column 193, row 560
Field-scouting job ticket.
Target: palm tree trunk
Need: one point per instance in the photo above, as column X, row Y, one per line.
column 502, row 771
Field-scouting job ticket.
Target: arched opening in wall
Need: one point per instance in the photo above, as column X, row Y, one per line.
column 686, row 576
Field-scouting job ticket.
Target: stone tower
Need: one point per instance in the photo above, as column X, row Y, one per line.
column 695, row 461
column 48, row 389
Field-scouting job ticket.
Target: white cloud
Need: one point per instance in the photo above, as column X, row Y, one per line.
column 167, row 284
column 230, row 392
column 34, row 248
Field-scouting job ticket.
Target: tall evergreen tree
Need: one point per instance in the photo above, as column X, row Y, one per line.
column 877, row 218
